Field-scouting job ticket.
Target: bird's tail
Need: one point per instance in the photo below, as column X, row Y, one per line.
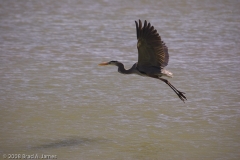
column 166, row 73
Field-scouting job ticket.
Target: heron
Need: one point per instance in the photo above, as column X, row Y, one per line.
column 152, row 57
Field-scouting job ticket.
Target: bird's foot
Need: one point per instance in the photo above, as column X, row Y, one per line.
column 181, row 96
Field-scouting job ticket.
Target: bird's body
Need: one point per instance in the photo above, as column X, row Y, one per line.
column 142, row 72
column 152, row 57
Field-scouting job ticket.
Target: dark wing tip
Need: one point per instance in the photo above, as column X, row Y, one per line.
column 137, row 29
column 140, row 27
column 140, row 24
column 145, row 24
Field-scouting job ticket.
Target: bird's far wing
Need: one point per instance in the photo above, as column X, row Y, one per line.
column 165, row 50
column 151, row 50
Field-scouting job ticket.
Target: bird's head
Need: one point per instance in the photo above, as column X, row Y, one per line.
column 109, row 63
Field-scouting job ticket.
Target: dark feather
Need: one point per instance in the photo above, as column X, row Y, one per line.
column 152, row 51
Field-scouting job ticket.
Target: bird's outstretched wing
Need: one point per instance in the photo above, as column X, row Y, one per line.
column 152, row 51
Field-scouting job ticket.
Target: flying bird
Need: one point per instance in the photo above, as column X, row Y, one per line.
column 152, row 57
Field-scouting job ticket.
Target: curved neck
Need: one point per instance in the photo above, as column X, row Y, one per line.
column 122, row 70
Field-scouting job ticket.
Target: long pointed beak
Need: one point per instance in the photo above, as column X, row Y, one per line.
column 103, row 64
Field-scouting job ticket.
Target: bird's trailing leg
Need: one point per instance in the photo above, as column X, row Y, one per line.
column 179, row 93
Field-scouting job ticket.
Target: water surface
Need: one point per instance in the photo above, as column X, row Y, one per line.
column 56, row 100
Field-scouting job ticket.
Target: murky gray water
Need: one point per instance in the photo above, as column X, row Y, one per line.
column 56, row 100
